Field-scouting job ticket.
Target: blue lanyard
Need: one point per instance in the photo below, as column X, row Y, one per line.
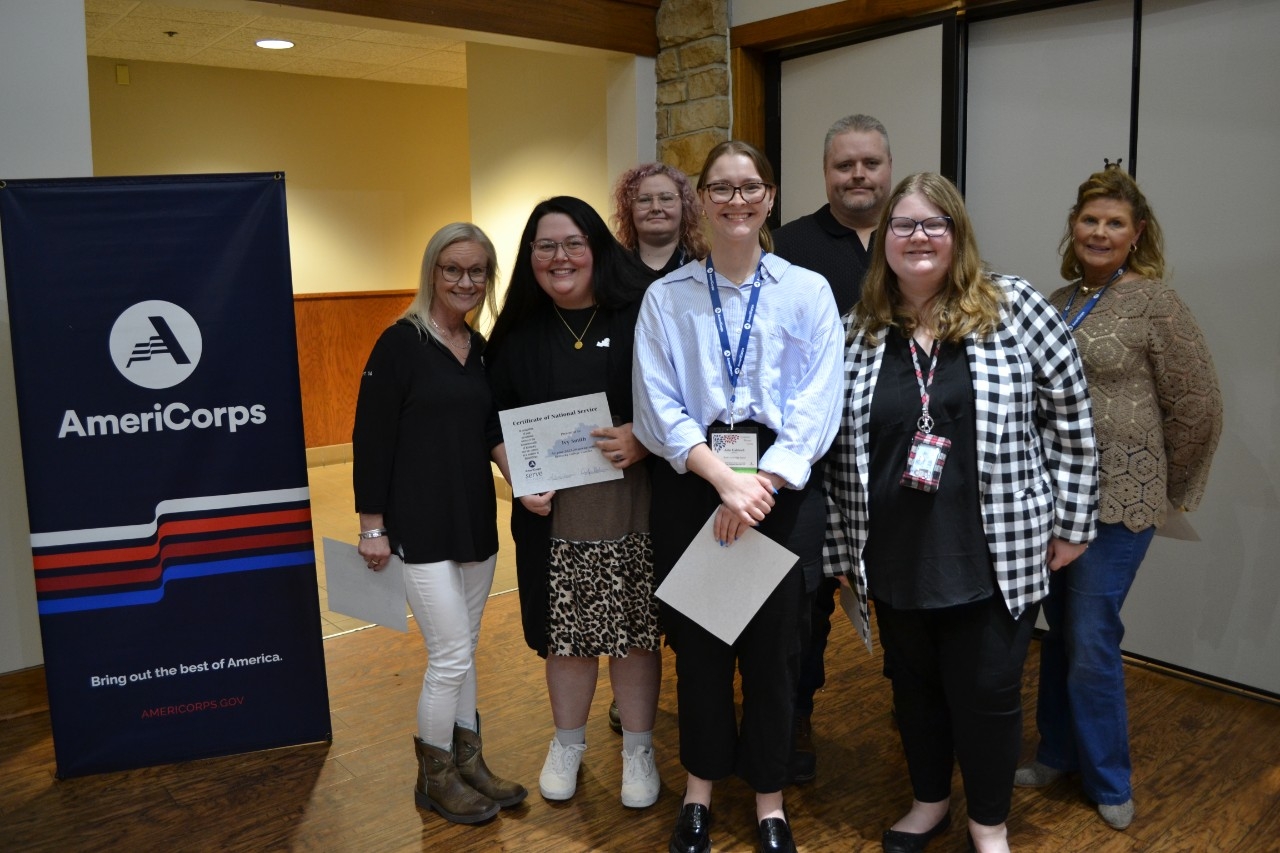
column 733, row 363
column 1074, row 322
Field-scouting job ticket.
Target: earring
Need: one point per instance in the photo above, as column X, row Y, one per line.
column 1133, row 248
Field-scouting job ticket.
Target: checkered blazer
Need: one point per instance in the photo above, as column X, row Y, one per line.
column 1037, row 457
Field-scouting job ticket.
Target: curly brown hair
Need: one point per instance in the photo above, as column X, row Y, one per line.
column 624, row 226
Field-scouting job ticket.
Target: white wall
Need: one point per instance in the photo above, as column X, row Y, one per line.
column 1208, row 138
column 44, row 98
column 1023, row 105
column 632, row 120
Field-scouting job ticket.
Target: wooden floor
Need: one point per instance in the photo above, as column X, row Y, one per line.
column 1206, row 770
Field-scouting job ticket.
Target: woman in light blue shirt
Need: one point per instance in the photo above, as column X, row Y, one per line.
column 742, row 351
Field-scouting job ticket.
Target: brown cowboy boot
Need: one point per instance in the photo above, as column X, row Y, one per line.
column 471, row 767
column 441, row 789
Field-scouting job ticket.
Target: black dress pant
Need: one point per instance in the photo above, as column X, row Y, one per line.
column 957, row 694
column 713, row 742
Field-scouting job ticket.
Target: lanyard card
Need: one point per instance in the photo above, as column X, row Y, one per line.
column 736, row 448
column 924, row 462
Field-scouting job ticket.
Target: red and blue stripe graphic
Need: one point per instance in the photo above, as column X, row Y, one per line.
column 130, row 565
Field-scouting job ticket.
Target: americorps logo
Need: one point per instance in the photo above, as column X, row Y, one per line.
column 155, row 344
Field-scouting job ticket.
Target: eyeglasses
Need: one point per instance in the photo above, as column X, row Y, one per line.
column 661, row 199
column 453, row 274
column 934, row 226
column 751, row 192
column 545, row 250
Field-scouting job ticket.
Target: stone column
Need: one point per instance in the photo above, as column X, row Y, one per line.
column 693, row 80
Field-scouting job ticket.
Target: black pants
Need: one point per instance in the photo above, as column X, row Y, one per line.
column 820, row 604
column 957, row 682
column 713, row 742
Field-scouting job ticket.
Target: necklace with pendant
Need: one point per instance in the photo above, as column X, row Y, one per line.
column 577, row 338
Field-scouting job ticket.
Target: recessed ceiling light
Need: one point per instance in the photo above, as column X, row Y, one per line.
column 274, row 44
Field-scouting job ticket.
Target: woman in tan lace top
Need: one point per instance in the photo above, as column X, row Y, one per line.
column 1158, row 415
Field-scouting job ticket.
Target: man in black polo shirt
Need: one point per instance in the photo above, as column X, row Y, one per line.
column 835, row 241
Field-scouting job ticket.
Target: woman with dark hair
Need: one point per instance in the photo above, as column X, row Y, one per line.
column 742, row 350
column 964, row 473
column 656, row 217
column 1159, row 417
column 424, row 490
column 583, row 555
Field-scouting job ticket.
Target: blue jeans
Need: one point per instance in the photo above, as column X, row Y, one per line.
column 1081, row 714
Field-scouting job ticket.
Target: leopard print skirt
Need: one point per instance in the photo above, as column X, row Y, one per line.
column 600, row 584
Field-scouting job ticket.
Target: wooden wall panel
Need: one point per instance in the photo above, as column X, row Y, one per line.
column 336, row 331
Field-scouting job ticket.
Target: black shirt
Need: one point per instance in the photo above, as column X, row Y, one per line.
column 819, row 243
column 421, row 447
column 925, row 550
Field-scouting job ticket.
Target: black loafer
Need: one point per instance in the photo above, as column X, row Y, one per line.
column 692, row 833
column 775, row 836
column 913, row 842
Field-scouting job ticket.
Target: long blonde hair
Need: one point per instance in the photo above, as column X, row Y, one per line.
column 969, row 301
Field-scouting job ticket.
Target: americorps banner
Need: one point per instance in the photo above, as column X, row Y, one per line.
column 157, row 379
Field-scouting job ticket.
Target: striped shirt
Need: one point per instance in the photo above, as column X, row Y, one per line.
column 791, row 380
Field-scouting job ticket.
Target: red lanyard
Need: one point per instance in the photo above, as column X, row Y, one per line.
column 925, row 423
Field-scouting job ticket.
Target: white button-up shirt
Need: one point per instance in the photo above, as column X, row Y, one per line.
column 791, row 380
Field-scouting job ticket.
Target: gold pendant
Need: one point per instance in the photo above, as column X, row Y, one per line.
column 577, row 344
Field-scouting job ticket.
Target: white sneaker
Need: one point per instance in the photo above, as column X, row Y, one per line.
column 559, row 779
column 640, row 781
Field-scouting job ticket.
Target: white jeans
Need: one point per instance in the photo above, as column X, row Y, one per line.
column 447, row 600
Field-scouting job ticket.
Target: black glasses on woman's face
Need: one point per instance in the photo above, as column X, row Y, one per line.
column 453, row 274
column 752, row 192
column 545, row 250
column 905, row 226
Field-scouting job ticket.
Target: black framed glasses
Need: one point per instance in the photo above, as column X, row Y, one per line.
column 905, row 226
column 453, row 273
column 663, row 200
column 574, row 247
column 751, row 192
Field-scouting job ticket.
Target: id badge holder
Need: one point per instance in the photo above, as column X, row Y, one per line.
column 736, row 448
column 925, row 461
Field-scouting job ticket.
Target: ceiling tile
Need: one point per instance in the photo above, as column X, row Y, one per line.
column 222, row 35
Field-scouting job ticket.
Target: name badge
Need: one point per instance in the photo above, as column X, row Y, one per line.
column 924, row 462
column 736, row 448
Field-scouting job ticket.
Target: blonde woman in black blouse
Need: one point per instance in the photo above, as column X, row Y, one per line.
column 422, row 444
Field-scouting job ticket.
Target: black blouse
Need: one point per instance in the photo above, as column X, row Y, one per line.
column 925, row 550
column 421, row 444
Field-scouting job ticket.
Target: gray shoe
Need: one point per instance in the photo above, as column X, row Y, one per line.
column 1036, row 775
column 1117, row 817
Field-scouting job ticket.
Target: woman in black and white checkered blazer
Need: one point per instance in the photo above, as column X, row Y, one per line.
column 965, row 472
